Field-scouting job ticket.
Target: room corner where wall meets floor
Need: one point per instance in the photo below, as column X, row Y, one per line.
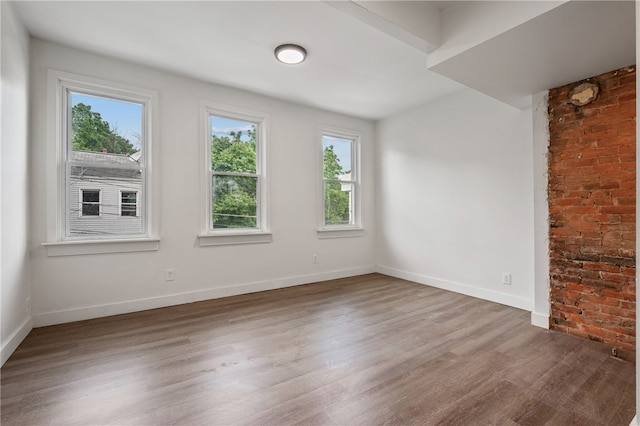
column 592, row 198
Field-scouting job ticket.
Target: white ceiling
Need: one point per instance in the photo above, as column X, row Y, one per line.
column 353, row 66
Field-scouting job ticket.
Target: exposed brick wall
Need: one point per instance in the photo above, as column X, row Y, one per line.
column 592, row 212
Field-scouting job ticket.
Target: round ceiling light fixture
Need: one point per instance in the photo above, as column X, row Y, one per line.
column 290, row 54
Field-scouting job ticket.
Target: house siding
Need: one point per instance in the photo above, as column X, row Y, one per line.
column 110, row 174
column 110, row 222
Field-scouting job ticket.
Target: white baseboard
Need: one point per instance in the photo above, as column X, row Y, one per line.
column 467, row 289
column 634, row 422
column 540, row 320
column 15, row 339
column 97, row 311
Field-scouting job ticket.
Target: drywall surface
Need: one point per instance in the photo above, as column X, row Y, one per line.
column 14, row 228
column 540, row 117
column 455, row 197
column 74, row 287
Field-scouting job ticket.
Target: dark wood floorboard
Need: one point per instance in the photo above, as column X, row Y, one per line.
column 368, row 350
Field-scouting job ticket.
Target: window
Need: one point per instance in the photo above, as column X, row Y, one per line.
column 105, row 149
column 89, row 202
column 234, row 174
column 236, row 183
column 340, row 182
column 129, row 203
column 99, row 167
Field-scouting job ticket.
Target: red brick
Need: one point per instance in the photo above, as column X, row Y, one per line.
column 598, row 331
column 606, row 319
column 618, row 312
column 629, row 148
column 628, row 271
column 602, row 267
column 592, row 213
column 618, row 295
column 631, row 210
column 628, row 305
column 630, row 78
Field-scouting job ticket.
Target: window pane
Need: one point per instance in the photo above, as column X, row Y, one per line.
column 337, row 158
column 128, row 206
column 129, row 197
column 234, row 202
column 105, row 152
column 105, row 125
column 128, row 210
column 338, row 203
column 90, row 209
column 90, row 203
column 233, row 145
column 90, row 196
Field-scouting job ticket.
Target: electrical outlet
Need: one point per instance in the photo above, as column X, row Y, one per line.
column 315, row 258
column 169, row 275
column 506, row 278
column 27, row 306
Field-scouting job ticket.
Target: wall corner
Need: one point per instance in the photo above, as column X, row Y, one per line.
column 539, row 110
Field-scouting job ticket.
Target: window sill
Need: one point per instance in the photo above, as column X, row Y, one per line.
column 76, row 248
column 340, row 233
column 224, row 239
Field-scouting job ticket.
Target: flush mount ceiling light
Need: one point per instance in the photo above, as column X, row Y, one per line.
column 290, row 54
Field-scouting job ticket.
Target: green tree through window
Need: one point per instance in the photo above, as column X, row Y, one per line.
column 235, row 176
column 336, row 201
column 235, row 179
column 92, row 133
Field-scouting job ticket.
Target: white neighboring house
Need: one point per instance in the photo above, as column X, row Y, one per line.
column 104, row 194
column 346, row 186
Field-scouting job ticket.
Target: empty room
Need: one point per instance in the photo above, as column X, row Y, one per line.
column 318, row 212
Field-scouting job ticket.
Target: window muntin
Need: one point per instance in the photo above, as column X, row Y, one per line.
column 340, row 181
column 105, row 150
column 235, row 178
column 89, row 202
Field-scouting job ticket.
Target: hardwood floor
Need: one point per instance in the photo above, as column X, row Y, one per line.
column 367, row 350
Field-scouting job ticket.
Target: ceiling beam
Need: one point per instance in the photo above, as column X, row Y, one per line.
column 466, row 24
column 415, row 23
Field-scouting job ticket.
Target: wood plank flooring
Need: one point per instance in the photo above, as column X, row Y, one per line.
column 368, row 350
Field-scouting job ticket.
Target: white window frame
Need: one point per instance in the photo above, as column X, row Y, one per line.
column 59, row 85
column 209, row 236
column 81, row 202
column 356, row 228
column 120, row 191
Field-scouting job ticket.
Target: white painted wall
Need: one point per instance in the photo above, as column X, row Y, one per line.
column 14, row 195
column 74, row 287
column 455, row 197
column 540, row 118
